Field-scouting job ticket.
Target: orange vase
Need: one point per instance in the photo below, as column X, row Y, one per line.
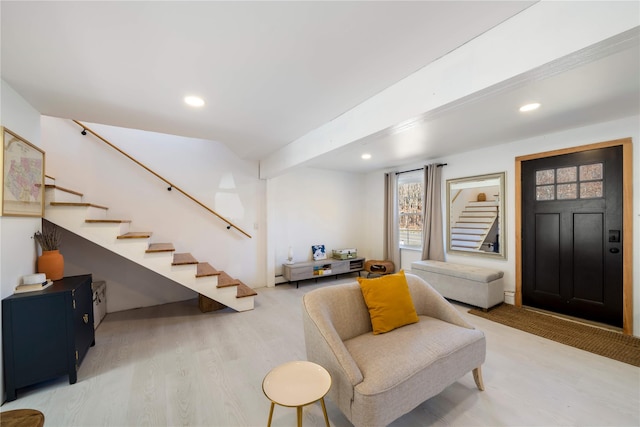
column 51, row 263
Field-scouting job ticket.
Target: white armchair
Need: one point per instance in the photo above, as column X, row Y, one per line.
column 378, row 378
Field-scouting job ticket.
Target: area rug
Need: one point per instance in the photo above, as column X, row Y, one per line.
column 611, row 344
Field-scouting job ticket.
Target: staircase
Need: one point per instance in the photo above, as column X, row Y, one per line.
column 67, row 209
column 473, row 225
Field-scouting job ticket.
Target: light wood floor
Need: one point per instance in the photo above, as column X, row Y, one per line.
column 174, row 366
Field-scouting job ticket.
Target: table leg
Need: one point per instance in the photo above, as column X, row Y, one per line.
column 324, row 411
column 299, row 410
column 270, row 415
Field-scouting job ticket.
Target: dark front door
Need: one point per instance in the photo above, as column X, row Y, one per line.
column 572, row 234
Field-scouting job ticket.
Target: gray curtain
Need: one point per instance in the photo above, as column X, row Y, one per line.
column 432, row 240
column 391, row 238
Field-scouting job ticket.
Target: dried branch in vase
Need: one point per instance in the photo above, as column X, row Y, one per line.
column 50, row 237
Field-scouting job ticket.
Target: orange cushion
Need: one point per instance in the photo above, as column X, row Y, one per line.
column 389, row 302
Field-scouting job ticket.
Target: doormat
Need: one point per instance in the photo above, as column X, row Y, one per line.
column 607, row 343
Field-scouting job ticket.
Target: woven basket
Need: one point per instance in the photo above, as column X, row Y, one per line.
column 482, row 197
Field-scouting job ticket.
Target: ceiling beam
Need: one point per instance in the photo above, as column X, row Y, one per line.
column 547, row 31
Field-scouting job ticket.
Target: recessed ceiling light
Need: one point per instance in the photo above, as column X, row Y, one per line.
column 194, row 101
column 530, row 107
column 366, row 156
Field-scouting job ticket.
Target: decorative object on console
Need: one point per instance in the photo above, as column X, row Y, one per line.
column 321, row 270
column 344, row 253
column 33, row 287
column 290, row 255
column 51, row 262
column 318, row 252
column 34, row 279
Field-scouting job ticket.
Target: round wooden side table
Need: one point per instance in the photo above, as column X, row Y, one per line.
column 21, row 418
column 297, row 384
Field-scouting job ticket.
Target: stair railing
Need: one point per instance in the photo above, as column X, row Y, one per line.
column 230, row 225
column 456, row 196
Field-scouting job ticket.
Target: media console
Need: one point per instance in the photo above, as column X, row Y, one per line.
column 315, row 269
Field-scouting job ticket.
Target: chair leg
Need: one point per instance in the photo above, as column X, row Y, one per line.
column 324, row 411
column 477, row 376
column 299, row 411
column 270, row 415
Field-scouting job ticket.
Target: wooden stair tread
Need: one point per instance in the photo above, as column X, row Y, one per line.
column 66, row 190
column 183, row 259
column 136, row 235
column 78, row 204
column 107, row 221
column 205, row 269
column 225, row 280
column 160, row 247
column 245, row 291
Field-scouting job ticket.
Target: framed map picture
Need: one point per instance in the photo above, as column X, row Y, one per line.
column 22, row 176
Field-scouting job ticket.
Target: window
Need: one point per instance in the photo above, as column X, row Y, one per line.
column 570, row 183
column 410, row 195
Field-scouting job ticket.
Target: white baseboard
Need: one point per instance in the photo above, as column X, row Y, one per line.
column 280, row 279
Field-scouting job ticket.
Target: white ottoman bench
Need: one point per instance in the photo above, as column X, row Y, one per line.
column 478, row 286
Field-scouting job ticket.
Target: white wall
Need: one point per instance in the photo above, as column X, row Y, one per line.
column 306, row 206
column 207, row 170
column 314, row 206
column 17, row 247
column 502, row 158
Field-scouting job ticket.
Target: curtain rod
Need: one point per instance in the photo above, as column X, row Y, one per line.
column 419, row 169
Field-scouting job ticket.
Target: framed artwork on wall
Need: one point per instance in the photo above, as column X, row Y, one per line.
column 318, row 252
column 22, row 176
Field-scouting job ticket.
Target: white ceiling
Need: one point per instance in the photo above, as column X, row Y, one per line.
column 270, row 72
column 604, row 86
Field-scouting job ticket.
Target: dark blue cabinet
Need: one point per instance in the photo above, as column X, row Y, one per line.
column 46, row 334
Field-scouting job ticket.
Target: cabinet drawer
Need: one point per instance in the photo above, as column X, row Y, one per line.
column 340, row 267
column 301, row 274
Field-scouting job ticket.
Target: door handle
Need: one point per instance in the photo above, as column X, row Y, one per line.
column 614, row 250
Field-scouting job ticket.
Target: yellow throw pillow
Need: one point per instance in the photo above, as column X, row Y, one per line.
column 389, row 302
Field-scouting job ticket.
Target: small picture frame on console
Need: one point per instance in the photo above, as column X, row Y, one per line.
column 318, row 252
